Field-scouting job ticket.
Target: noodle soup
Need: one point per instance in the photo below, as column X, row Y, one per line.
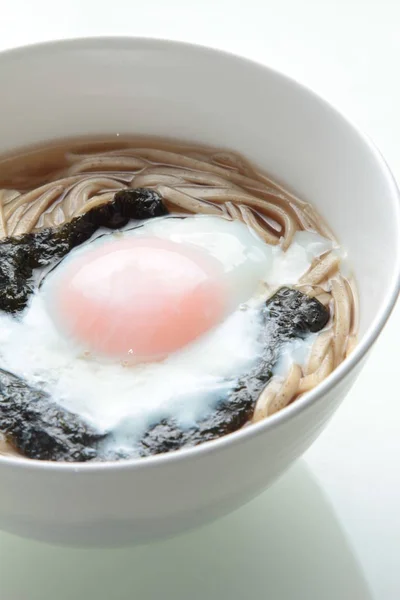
column 158, row 295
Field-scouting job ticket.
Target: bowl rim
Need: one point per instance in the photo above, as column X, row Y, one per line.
column 310, row 398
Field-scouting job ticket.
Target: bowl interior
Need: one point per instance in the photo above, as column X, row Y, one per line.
column 161, row 88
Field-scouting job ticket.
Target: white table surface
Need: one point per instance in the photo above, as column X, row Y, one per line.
column 330, row 528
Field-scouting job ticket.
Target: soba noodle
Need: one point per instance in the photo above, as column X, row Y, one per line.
column 190, row 180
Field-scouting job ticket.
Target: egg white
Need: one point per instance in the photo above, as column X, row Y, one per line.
column 186, row 384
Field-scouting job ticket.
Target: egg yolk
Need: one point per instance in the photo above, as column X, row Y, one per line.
column 138, row 299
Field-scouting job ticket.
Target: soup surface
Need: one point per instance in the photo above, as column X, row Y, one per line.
column 157, row 295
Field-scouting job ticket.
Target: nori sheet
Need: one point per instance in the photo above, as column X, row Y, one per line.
column 19, row 256
column 39, row 428
column 287, row 315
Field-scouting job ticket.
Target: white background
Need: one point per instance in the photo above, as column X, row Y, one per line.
column 330, row 528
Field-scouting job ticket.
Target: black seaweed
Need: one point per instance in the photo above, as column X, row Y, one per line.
column 41, row 429
column 19, row 256
column 288, row 314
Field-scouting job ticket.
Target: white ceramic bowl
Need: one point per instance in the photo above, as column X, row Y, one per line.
column 169, row 89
